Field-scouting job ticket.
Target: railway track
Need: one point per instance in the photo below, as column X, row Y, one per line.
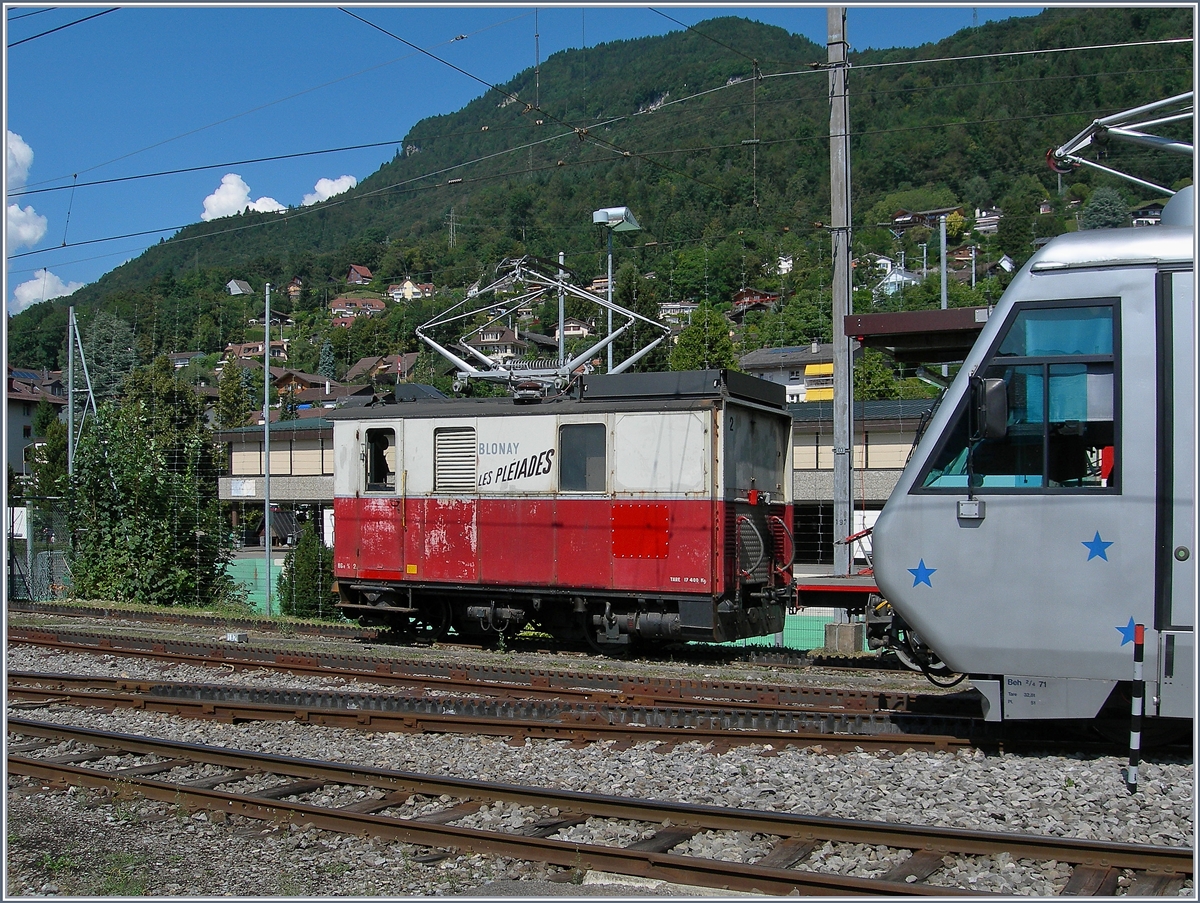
column 512, row 682
column 440, row 813
column 579, row 722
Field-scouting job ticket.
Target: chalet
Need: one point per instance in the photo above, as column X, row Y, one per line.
column 342, row 322
column 358, row 275
column 903, row 220
column 498, row 343
column 294, row 287
column 279, row 350
column 352, row 307
column 676, row 313
column 806, row 371
column 895, row 279
column 24, row 389
column 238, row 287
column 409, row 291
column 987, row 222
column 390, row 368
column 1147, row 213
column 599, row 286
column 180, row 359
column 573, row 329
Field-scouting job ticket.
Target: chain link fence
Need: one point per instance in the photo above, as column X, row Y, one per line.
column 39, row 546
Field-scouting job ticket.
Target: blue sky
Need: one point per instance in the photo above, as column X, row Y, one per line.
column 143, row 90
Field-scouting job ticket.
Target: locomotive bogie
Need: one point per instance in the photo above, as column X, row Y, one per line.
column 661, row 517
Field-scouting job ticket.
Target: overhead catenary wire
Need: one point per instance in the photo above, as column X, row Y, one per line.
column 646, row 155
column 61, row 27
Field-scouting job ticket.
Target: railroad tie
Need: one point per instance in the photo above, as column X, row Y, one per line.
column 72, row 758
column 371, row 806
column 31, row 746
column 663, row 840
column 547, row 826
column 787, row 853
column 217, row 779
column 920, row 865
column 454, row 813
column 1156, row 884
column 153, row 767
column 289, row 788
column 1092, row 881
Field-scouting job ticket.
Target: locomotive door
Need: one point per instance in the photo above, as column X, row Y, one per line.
column 381, row 525
column 1176, row 546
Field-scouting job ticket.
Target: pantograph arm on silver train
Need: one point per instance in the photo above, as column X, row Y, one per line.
column 1130, row 126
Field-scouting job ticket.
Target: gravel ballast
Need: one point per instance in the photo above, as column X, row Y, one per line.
column 61, row 842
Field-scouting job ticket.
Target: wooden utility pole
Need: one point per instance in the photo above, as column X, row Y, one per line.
column 843, row 382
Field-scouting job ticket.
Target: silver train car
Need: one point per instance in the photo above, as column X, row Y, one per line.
column 1049, row 508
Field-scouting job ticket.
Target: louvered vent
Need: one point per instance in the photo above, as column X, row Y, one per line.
column 454, row 460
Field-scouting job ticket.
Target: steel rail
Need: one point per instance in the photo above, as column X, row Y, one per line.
column 1095, row 860
column 389, row 712
column 498, row 681
column 266, row 625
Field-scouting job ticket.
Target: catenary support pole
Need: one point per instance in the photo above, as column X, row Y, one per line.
column 562, row 325
column 843, row 381
column 267, row 440
column 942, row 228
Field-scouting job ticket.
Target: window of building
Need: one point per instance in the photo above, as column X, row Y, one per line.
column 381, row 460
column 455, row 460
column 582, row 466
column 1059, row 370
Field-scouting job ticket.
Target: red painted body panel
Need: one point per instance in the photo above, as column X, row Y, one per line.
column 666, row 545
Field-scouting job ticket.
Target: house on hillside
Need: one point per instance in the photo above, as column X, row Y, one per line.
column 805, row 371
column 389, row 368
column 1147, row 213
column 409, row 291
column 180, row 359
column 236, row 351
column 987, row 222
column 572, row 329
column 353, row 307
column 676, row 313
column 293, row 289
column 238, row 287
column 23, row 390
column 903, row 220
column 498, row 343
column 358, row 275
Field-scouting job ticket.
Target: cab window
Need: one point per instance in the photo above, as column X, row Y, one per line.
column 381, row 460
column 582, row 454
column 1059, row 371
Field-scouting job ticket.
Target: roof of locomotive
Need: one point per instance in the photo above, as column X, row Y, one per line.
column 677, row 391
column 1116, row 247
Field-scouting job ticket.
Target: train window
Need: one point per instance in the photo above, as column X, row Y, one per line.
column 1058, row 368
column 455, row 460
column 381, row 460
column 582, row 458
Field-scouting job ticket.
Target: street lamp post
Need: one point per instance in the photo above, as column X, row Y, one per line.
column 614, row 219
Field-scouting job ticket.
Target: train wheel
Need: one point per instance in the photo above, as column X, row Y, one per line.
column 429, row 625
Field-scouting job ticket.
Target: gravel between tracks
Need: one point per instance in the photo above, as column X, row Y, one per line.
column 63, row 842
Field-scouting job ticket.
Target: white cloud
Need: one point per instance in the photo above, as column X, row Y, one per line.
column 42, row 287
column 24, row 228
column 20, row 158
column 327, row 188
column 233, row 196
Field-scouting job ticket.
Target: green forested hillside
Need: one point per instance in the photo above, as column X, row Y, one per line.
column 726, row 172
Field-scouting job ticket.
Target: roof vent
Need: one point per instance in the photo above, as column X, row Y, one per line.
column 816, row 347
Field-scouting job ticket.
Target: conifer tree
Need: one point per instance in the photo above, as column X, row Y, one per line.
column 307, row 578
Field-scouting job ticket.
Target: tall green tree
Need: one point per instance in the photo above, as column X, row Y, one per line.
column 704, row 344
column 110, row 353
column 146, row 517
column 305, row 584
column 1105, row 209
column 233, row 398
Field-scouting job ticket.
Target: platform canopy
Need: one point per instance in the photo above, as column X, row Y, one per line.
column 920, row 336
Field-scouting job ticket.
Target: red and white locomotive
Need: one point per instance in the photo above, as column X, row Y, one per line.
column 654, row 506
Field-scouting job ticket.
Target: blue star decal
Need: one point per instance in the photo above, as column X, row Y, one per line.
column 1127, row 632
column 921, row 574
column 1097, row 548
